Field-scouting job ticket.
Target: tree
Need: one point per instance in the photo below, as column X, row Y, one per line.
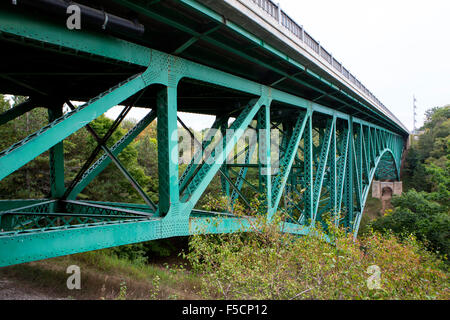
column 111, row 185
column 426, row 212
column 32, row 180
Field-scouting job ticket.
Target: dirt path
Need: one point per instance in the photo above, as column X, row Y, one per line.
column 13, row 289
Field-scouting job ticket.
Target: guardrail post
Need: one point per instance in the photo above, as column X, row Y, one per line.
column 279, row 13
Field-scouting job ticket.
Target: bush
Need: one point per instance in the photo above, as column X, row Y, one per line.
column 142, row 253
column 268, row 264
column 134, row 253
column 416, row 213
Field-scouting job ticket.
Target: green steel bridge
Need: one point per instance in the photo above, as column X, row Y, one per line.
column 244, row 62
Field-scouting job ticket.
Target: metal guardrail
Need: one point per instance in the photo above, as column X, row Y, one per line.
column 298, row 31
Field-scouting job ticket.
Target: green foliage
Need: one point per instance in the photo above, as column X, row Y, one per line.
column 142, row 253
column 154, row 293
column 417, row 213
column 134, row 253
column 433, row 147
column 426, row 213
column 30, row 181
column 111, row 185
column 122, row 291
column 160, row 248
column 440, row 179
column 413, row 173
column 268, row 264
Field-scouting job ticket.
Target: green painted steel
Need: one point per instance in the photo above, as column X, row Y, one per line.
column 17, row 111
column 327, row 158
column 56, row 160
column 104, row 161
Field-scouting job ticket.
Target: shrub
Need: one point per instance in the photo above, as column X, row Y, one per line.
column 268, row 264
column 416, row 213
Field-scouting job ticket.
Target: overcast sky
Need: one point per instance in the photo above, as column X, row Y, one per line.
column 396, row 48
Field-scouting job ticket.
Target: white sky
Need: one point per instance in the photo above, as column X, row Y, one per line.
column 396, row 48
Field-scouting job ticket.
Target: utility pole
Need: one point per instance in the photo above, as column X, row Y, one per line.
column 415, row 115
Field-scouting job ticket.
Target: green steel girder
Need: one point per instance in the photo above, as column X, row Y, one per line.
column 13, row 204
column 42, row 216
column 333, row 175
column 56, row 160
column 17, row 111
column 70, row 240
column 264, row 158
column 8, row 219
column 238, row 175
column 349, row 179
column 225, row 176
column 83, row 207
column 357, row 181
column 365, row 148
column 194, row 39
column 308, row 169
column 57, row 38
column 167, row 134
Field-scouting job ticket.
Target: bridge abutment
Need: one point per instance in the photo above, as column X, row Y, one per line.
column 384, row 190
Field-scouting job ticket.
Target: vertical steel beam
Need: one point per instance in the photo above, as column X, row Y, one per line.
column 332, row 181
column 225, row 176
column 56, row 159
column 308, row 173
column 264, row 150
column 349, row 179
column 342, row 170
column 357, row 147
column 167, row 133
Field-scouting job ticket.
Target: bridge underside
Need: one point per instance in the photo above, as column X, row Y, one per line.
column 328, row 148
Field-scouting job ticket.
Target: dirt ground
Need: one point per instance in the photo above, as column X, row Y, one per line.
column 14, row 289
column 47, row 280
